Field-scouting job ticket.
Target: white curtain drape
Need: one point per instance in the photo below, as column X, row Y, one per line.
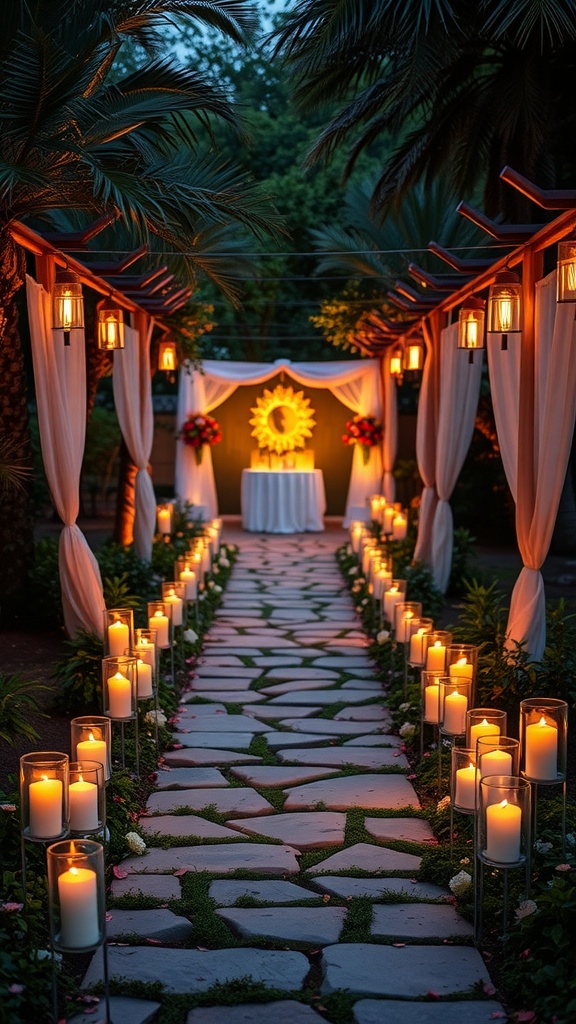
column 553, row 428
column 426, row 428
column 132, row 383
column 390, row 440
column 458, row 400
column 355, row 383
column 60, row 380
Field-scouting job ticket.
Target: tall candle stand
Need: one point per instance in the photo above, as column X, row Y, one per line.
column 453, row 703
column 405, row 612
column 87, row 799
column 77, row 906
column 484, row 722
column 544, row 745
column 120, row 699
column 174, row 594
column 91, row 740
column 118, row 631
column 464, row 782
column 503, row 835
column 160, row 619
column 44, row 801
column 430, row 715
column 146, row 650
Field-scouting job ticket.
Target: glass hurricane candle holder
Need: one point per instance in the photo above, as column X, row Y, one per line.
column 369, row 551
column 464, row 780
column 194, row 557
column 400, row 525
column 174, row 594
column 212, row 535
column 164, row 518
column 118, row 630
column 144, row 676
column 159, row 618
column 377, row 503
column 454, row 699
column 497, row 755
column 390, row 598
column 206, row 559
column 184, row 572
column 87, row 798
column 543, row 739
column 381, row 581
column 405, row 612
column 430, row 682
column 119, row 687
column 484, row 722
column 419, row 628
column 388, row 513
column 436, row 644
column 91, row 740
column 356, row 533
column 462, row 660
column 76, row 895
column 44, row 808
column 503, row 826
column 145, row 647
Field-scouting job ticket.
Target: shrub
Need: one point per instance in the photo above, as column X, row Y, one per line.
column 17, row 700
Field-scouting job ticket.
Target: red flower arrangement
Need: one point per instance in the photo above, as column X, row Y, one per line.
column 365, row 431
column 198, row 430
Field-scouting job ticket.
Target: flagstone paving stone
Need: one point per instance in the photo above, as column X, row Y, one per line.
column 318, row 925
column 197, row 710
column 189, row 778
column 413, row 830
column 384, row 792
column 297, row 686
column 408, row 972
column 192, row 970
column 374, row 739
column 229, row 696
column 324, row 697
column 232, row 682
column 213, row 739
column 219, row 665
column 342, row 661
column 226, row 723
column 270, row 775
column 364, row 757
column 129, row 1011
column 218, row 859
column 162, row 887
column 225, row 892
column 184, row 826
column 300, row 674
column 280, row 739
column 277, row 662
column 199, row 756
column 277, row 711
column 365, row 713
column 366, row 857
column 241, row 801
column 283, row 1011
column 331, row 725
column 419, row 921
column 376, row 888
column 149, row 924
column 400, row 1011
column 302, row 830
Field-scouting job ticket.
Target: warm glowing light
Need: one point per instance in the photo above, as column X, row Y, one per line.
column 282, row 420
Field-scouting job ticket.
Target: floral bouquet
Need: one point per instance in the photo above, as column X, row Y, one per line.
column 198, row 430
column 365, row 431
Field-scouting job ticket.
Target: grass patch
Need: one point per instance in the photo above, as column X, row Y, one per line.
column 259, row 748
column 209, row 929
column 358, row 920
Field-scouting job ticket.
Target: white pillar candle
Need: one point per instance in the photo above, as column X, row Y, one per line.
column 83, row 805
column 188, row 576
column 45, row 797
column 431, row 699
column 119, row 696
column 382, row 581
column 79, row 924
column 164, row 520
column 417, row 647
column 355, row 538
column 388, row 518
column 93, row 749
column 146, row 651
column 495, row 762
column 206, row 559
column 118, row 638
column 403, row 630
column 542, row 750
column 466, row 787
column 172, row 598
column 159, row 622
column 483, row 728
column 392, row 597
column 455, row 708
column 399, row 527
column 436, row 657
column 503, row 831
column 462, row 669
column 144, row 678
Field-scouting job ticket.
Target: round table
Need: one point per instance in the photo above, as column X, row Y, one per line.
column 283, row 501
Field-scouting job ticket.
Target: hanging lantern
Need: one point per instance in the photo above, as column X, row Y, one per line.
column 504, row 305
column 167, row 355
column 109, row 325
column 471, row 326
column 566, row 271
column 397, row 363
column 67, row 303
column 413, row 356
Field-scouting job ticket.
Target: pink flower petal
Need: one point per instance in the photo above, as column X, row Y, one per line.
column 525, row 1016
column 180, row 872
column 489, row 989
column 119, row 872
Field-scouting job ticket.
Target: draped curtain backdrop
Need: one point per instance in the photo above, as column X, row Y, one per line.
column 390, row 440
column 356, row 384
column 553, row 428
column 60, row 380
column 132, row 382
column 458, row 400
column 426, row 428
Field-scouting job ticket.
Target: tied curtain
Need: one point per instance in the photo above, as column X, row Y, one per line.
column 132, row 383
column 426, row 428
column 390, row 439
column 553, row 428
column 356, row 383
column 60, row 380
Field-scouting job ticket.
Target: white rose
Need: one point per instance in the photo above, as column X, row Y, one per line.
column 524, row 909
column 353, row 570
column 224, row 563
column 383, row 636
column 217, row 589
column 190, row 636
column 135, row 843
column 407, row 730
column 155, row 717
column 460, row 883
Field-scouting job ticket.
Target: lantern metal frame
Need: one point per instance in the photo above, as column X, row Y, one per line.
column 67, row 303
column 504, row 312
column 109, row 325
column 471, row 324
column 566, row 271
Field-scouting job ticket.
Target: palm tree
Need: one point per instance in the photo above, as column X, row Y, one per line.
column 458, row 87
column 75, row 136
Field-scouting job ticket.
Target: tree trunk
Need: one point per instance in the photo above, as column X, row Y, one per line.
column 123, row 527
column 16, row 520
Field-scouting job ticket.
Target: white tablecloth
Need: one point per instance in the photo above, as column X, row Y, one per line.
column 287, row 501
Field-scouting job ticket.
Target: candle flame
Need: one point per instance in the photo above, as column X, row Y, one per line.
column 437, row 643
column 80, row 779
column 461, row 661
column 393, row 590
column 471, row 767
column 73, row 871
column 421, row 631
column 504, row 803
column 543, row 721
column 409, row 615
column 484, row 722
column 119, row 676
column 91, row 738
column 44, row 778
column 455, row 693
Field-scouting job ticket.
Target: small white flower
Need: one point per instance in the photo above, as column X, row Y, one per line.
column 217, row 589
column 407, row 730
column 190, row 636
column 153, row 717
column 135, row 843
column 224, row 562
column 215, row 570
column 348, row 549
column 45, row 954
column 383, row 636
column 465, row 860
column 443, row 803
column 541, row 847
column 404, row 707
column 364, row 602
column 353, row 570
column 201, row 597
column 359, row 608
column 460, row 883
column 524, row 909
column 211, row 584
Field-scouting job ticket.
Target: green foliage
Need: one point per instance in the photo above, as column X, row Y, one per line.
column 17, row 701
column 556, row 673
column 25, row 960
column 100, row 454
column 44, row 595
column 129, row 580
column 463, row 554
column 79, row 674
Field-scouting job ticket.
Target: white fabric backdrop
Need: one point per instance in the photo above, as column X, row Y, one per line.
column 458, row 401
column 356, row 383
column 554, row 416
column 426, row 429
column 60, row 379
column 390, row 440
column 132, row 382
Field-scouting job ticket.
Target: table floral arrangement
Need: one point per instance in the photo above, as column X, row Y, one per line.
column 199, row 430
column 365, row 431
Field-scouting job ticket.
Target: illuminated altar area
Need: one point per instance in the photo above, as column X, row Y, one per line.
column 355, row 383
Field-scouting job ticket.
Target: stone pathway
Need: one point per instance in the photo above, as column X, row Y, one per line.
column 286, row 827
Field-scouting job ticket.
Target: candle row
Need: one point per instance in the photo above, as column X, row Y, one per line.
column 57, row 796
